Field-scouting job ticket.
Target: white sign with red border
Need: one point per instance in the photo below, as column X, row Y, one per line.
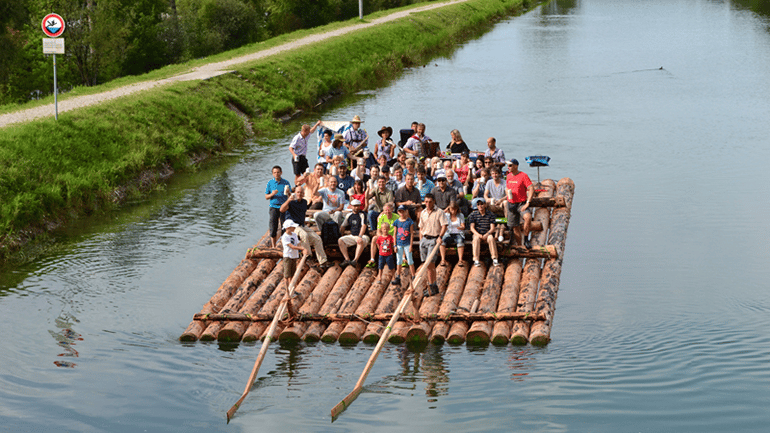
column 53, row 25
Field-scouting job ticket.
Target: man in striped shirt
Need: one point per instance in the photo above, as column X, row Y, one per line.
column 482, row 223
column 298, row 149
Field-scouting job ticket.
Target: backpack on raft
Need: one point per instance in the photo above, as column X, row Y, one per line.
column 330, row 234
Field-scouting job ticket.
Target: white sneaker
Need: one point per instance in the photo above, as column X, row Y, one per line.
column 495, row 262
column 500, row 238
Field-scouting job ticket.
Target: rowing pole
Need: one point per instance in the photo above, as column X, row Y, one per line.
column 348, row 400
column 266, row 342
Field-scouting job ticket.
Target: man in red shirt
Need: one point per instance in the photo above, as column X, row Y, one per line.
column 519, row 191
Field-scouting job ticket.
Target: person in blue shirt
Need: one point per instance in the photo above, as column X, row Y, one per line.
column 275, row 191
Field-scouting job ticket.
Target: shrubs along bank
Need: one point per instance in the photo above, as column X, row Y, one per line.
column 53, row 171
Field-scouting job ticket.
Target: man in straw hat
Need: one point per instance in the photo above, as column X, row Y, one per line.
column 298, row 149
column 356, row 139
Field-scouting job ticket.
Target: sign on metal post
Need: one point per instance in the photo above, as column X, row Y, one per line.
column 53, row 26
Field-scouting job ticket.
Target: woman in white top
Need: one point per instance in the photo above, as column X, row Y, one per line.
column 454, row 233
column 324, row 146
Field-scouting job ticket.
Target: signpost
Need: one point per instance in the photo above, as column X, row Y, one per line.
column 53, row 26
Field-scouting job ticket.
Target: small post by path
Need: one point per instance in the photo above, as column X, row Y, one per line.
column 360, row 9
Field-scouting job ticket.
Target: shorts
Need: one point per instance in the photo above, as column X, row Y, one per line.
column 351, row 241
column 390, row 260
column 299, row 166
column 459, row 239
column 289, row 267
column 515, row 214
column 426, row 246
column 404, row 250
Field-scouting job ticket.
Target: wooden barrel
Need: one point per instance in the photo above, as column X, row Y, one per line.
column 240, row 296
column 449, row 302
column 509, row 297
column 428, row 307
column 470, row 297
column 349, row 306
column 313, row 304
column 233, row 331
column 551, row 274
column 480, row 331
column 354, row 330
column 332, row 303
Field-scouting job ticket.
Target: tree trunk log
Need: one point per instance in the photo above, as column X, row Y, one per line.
column 388, row 303
column 501, row 332
column 352, row 300
column 313, row 304
column 239, row 297
column 428, row 305
column 301, row 292
column 527, row 292
column 551, row 275
column 354, row 330
column 450, row 300
column 480, row 331
column 233, row 331
column 332, row 303
column 471, row 294
column 255, row 330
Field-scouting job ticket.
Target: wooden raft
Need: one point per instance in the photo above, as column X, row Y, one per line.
column 514, row 302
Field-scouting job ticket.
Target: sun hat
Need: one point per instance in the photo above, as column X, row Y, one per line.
column 356, row 119
column 385, row 128
column 289, row 223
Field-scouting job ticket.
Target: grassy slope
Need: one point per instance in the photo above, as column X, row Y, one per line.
column 52, row 170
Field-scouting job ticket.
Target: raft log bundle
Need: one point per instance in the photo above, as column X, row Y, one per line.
column 514, row 302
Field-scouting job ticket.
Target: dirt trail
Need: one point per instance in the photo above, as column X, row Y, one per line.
column 199, row 73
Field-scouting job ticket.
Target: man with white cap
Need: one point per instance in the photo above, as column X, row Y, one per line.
column 519, row 191
column 355, row 222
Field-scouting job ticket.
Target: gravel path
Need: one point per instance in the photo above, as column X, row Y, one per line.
column 199, row 73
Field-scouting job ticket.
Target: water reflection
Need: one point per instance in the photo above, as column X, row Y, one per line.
column 65, row 338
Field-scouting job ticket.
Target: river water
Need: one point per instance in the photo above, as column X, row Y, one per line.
column 657, row 109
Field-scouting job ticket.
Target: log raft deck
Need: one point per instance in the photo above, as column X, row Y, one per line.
column 514, row 302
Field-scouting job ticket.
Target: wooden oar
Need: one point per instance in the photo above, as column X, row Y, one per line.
column 266, row 342
column 347, row 401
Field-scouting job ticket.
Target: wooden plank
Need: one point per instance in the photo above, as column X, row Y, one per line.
column 353, row 298
column 332, row 303
column 471, row 294
column 313, row 304
column 501, row 331
column 480, row 331
column 449, row 303
column 233, row 331
column 355, row 329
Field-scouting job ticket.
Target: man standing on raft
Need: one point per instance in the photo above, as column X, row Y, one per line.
column 519, row 191
column 298, row 149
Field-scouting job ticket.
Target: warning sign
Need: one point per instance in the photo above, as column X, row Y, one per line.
column 53, row 25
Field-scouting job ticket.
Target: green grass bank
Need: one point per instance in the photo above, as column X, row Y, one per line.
column 94, row 158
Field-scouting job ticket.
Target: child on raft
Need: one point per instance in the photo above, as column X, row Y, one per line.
column 385, row 244
column 291, row 249
column 404, row 235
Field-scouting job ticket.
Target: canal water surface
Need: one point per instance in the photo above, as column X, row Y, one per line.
column 658, row 110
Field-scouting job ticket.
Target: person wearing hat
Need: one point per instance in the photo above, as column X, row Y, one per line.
column 291, row 249
column 385, row 147
column 405, row 228
column 355, row 222
column 519, row 190
column 482, row 224
column 356, row 138
column 497, row 154
column 298, row 149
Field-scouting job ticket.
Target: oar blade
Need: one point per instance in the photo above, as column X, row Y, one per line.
column 341, row 406
column 235, row 407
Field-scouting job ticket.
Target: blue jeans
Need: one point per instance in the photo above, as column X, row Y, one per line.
column 373, row 215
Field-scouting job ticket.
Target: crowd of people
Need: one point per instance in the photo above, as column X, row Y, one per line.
column 400, row 192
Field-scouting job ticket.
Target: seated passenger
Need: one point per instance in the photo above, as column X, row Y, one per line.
column 355, row 222
column 482, row 225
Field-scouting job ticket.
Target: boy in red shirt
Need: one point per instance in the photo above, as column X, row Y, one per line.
column 385, row 246
column 519, row 191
